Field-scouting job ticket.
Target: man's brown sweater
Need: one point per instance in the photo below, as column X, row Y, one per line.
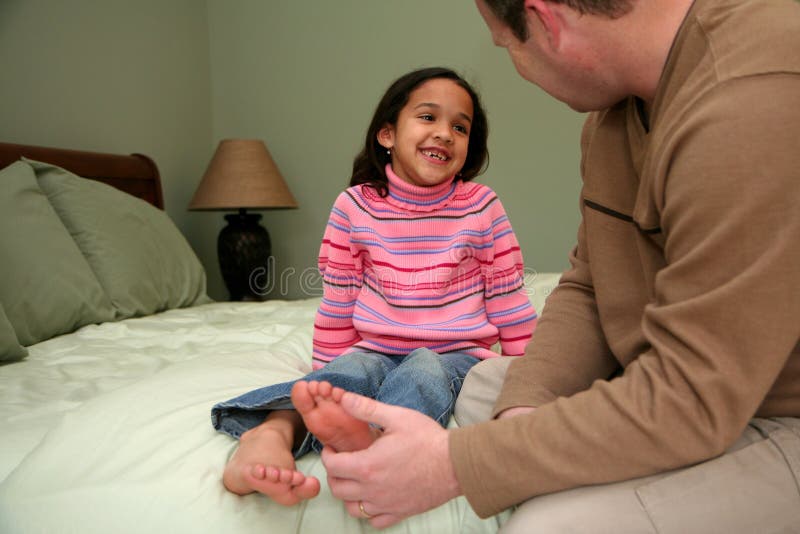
column 685, row 281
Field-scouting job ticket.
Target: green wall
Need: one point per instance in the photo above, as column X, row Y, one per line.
column 172, row 78
column 112, row 76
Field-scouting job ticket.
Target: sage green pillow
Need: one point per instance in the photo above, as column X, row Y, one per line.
column 47, row 287
column 140, row 257
column 10, row 349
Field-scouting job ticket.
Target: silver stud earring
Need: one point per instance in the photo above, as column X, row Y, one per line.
column 388, row 151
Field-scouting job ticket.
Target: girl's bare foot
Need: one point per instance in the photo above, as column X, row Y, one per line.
column 264, row 463
column 318, row 404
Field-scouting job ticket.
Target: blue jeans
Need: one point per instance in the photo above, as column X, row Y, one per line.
column 422, row 380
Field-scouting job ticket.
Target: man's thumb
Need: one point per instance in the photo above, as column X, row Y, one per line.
column 367, row 409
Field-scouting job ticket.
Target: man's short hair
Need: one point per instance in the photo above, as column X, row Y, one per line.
column 512, row 12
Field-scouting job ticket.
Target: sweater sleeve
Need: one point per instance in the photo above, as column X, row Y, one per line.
column 730, row 223
column 339, row 265
column 507, row 304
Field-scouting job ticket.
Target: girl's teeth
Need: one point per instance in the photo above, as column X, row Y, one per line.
column 435, row 155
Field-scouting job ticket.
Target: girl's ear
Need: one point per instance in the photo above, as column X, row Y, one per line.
column 549, row 17
column 385, row 136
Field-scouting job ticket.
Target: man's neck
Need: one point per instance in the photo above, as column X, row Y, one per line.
column 649, row 32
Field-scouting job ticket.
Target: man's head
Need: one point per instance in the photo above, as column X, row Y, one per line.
column 561, row 50
column 589, row 54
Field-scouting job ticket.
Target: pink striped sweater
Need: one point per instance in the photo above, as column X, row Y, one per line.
column 436, row 267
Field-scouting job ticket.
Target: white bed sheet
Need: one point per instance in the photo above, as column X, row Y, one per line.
column 108, row 429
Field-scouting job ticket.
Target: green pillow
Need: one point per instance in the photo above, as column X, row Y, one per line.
column 140, row 257
column 10, row 349
column 47, row 287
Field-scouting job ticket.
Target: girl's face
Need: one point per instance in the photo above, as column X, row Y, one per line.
column 430, row 140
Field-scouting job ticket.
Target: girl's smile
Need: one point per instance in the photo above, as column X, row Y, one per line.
column 429, row 143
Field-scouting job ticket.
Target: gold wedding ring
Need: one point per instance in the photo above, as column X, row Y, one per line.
column 364, row 512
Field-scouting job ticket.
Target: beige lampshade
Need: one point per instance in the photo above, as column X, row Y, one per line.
column 242, row 175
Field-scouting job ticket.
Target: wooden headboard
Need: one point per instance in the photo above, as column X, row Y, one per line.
column 135, row 174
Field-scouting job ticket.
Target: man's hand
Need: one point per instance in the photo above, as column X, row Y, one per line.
column 405, row 472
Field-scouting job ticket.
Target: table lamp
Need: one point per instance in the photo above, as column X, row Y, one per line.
column 242, row 176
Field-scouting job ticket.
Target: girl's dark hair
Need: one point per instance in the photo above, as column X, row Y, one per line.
column 369, row 165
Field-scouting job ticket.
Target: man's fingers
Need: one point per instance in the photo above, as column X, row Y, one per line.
column 385, row 520
column 377, row 520
column 340, row 464
column 344, row 489
column 345, row 474
column 370, row 410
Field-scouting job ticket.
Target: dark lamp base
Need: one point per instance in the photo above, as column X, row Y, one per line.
column 244, row 251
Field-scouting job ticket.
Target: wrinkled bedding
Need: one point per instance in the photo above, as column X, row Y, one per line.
column 107, row 429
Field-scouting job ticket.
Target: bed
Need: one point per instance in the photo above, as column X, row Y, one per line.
column 111, row 356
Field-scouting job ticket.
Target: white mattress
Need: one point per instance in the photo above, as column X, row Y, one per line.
column 108, row 429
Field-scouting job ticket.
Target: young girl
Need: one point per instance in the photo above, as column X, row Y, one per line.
column 422, row 275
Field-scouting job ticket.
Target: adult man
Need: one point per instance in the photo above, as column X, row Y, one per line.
column 663, row 381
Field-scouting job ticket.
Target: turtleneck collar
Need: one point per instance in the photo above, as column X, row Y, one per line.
column 417, row 198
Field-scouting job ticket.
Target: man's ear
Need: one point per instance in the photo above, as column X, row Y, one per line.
column 385, row 136
column 549, row 18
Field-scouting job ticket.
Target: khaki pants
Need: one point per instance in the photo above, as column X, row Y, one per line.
column 753, row 488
